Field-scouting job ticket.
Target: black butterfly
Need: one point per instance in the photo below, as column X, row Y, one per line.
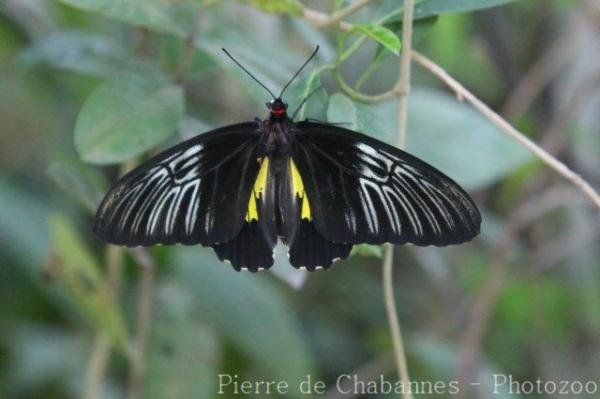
column 319, row 188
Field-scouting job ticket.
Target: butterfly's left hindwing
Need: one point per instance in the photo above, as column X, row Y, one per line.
column 194, row 193
column 364, row 191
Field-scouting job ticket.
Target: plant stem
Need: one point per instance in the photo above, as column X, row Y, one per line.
column 316, row 17
column 97, row 367
column 507, row 128
column 102, row 344
column 403, row 87
column 344, row 12
column 392, row 315
column 143, row 318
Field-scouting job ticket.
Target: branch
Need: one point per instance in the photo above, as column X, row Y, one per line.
column 403, row 86
column 320, row 19
column 316, row 18
column 143, row 317
column 388, row 285
column 344, row 12
column 96, row 368
column 507, row 128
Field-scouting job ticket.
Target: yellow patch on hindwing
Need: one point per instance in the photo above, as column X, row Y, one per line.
column 298, row 189
column 258, row 189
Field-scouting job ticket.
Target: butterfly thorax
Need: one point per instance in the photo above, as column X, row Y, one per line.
column 278, row 208
column 278, row 136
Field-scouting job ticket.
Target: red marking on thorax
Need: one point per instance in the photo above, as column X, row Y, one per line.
column 278, row 111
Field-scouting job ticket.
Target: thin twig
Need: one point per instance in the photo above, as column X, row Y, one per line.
column 316, row 17
column 344, row 12
column 403, row 86
column 388, row 283
column 97, row 364
column 392, row 315
column 143, row 317
column 507, row 128
column 96, row 368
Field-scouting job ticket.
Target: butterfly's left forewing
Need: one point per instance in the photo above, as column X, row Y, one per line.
column 364, row 191
column 194, row 193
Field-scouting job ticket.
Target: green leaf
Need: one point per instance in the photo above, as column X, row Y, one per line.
column 83, row 53
column 183, row 354
column 356, row 116
column 271, row 74
column 126, row 116
column 442, row 131
column 366, row 250
column 249, row 311
column 420, row 28
column 391, row 10
column 316, row 106
column 176, row 17
column 459, row 140
column 79, row 271
column 288, row 7
column 382, row 35
column 190, row 127
column 428, row 8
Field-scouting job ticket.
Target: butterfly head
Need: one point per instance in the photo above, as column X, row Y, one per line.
column 277, row 107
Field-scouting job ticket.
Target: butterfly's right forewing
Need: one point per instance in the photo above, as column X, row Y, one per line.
column 194, row 193
column 362, row 190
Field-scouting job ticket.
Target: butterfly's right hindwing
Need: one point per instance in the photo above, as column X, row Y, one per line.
column 194, row 193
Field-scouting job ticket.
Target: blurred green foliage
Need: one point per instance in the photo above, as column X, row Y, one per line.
column 104, row 82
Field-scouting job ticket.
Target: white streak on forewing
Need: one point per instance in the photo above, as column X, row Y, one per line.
column 436, row 195
column 171, row 210
column 383, row 199
column 192, row 211
column 146, row 204
column 208, row 222
column 367, row 149
column 389, row 156
column 372, row 167
column 389, row 192
column 154, row 216
column 129, row 205
column 120, row 203
column 364, row 205
column 190, row 162
column 451, row 202
column 149, row 201
column 375, row 157
column 402, row 176
column 350, row 219
column 177, row 207
column 403, row 191
column 170, row 157
column 368, row 207
column 183, row 156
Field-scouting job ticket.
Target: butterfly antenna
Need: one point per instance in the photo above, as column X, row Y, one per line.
column 305, row 100
column 299, row 70
column 249, row 73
